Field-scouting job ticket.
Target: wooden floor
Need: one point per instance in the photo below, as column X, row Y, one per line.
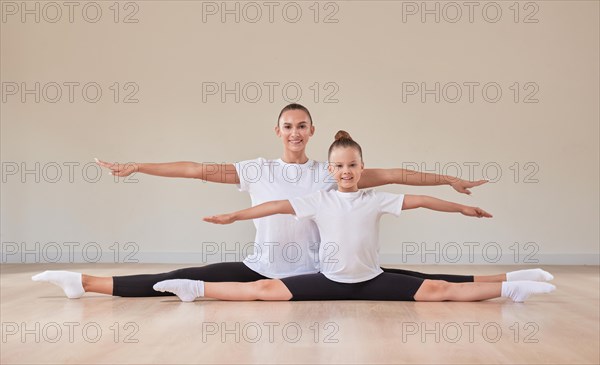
column 39, row 325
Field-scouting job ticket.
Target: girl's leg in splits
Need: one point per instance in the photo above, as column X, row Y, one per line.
column 518, row 291
column 385, row 286
column 388, row 286
column 531, row 274
column 269, row 289
column 439, row 290
column 446, row 277
column 301, row 287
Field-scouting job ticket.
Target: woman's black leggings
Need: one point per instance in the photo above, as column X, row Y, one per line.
column 141, row 285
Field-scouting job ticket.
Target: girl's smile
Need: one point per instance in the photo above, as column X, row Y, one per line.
column 346, row 167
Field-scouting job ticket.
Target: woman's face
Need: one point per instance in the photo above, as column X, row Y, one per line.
column 295, row 129
column 346, row 166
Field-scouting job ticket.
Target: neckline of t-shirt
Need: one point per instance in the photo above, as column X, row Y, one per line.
column 301, row 165
column 351, row 194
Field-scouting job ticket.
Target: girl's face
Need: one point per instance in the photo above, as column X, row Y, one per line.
column 295, row 129
column 346, row 167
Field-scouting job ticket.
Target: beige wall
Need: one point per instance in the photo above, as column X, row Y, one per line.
column 363, row 57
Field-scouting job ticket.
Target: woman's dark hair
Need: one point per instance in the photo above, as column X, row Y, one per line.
column 343, row 139
column 294, row 106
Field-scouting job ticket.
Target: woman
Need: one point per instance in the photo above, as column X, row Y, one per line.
column 291, row 176
column 349, row 217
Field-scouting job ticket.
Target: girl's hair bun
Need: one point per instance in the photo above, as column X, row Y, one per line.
column 343, row 140
column 342, row 135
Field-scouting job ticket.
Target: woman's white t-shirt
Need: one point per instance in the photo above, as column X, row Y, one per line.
column 284, row 246
column 349, row 227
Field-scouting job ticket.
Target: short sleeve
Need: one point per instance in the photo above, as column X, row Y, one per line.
column 390, row 203
column 307, row 206
column 249, row 172
column 326, row 179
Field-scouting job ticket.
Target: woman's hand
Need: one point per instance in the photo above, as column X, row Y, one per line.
column 117, row 169
column 463, row 186
column 220, row 219
column 475, row 212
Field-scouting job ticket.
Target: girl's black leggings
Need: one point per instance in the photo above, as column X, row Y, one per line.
column 141, row 285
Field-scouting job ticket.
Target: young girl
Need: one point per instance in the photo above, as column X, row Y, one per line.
column 348, row 220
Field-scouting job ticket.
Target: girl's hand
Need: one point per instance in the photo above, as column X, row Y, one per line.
column 463, row 186
column 475, row 212
column 117, row 169
column 220, row 219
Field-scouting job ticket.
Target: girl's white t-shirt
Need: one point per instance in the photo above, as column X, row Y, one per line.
column 349, row 226
column 283, row 246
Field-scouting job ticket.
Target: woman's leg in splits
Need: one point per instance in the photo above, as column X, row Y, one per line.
column 97, row 284
column 75, row 284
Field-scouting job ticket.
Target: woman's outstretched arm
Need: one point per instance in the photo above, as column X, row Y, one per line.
column 423, row 201
column 219, row 173
column 259, row 211
column 377, row 177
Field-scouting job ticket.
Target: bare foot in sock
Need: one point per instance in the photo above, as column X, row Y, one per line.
column 186, row 290
column 69, row 282
column 531, row 274
column 519, row 291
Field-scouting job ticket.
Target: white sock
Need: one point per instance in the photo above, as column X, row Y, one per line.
column 518, row 291
column 531, row 274
column 70, row 282
column 186, row 290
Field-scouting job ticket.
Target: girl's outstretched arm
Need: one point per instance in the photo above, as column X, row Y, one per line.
column 259, row 211
column 377, row 177
column 220, row 173
column 423, row 201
